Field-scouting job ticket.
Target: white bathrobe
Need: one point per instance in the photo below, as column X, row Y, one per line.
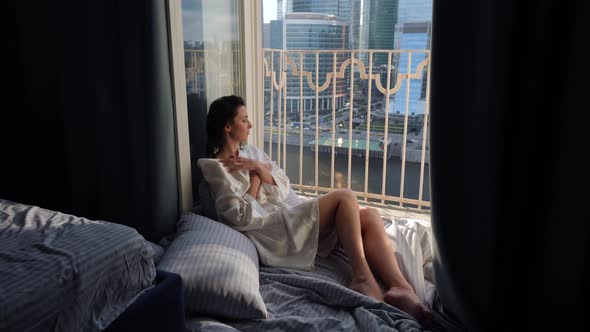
column 285, row 232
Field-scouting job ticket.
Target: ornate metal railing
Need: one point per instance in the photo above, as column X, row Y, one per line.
column 314, row 104
column 303, row 78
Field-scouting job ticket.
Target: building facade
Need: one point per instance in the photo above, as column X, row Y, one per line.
column 311, row 31
column 412, row 36
column 378, row 28
column 414, row 11
column 413, row 32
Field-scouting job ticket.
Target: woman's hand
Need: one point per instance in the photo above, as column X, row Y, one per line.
column 241, row 164
column 253, row 166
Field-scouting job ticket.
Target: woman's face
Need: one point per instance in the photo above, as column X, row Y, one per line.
column 240, row 128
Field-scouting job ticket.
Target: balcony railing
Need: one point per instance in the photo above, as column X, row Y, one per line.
column 316, row 110
column 379, row 100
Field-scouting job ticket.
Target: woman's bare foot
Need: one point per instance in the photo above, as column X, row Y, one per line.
column 405, row 298
column 367, row 286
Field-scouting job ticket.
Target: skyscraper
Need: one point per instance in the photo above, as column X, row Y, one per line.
column 311, row 31
column 378, row 29
column 281, row 9
column 414, row 11
column 413, row 32
column 348, row 10
column 412, row 36
column 276, row 34
column 355, row 24
column 266, row 35
column 340, row 8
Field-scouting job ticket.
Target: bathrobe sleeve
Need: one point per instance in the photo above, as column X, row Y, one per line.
column 233, row 205
column 280, row 192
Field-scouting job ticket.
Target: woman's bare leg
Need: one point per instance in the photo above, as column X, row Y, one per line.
column 381, row 257
column 341, row 207
column 378, row 249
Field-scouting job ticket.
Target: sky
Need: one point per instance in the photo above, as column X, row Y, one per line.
column 269, row 10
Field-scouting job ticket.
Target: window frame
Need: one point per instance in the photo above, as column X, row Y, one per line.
column 181, row 130
column 252, row 64
column 251, row 81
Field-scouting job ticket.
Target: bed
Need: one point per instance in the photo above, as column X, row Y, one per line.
column 319, row 300
column 60, row 272
column 64, row 273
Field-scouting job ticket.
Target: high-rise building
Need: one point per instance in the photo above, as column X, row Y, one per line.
column 276, row 34
column 348, row 10
column 340, row 8
column 355, row 24
column 311, row 31
column 412, row 36
column 413, row 32
column 414, row 11
column 281, row 9
column 378, row 28
column 266, row 35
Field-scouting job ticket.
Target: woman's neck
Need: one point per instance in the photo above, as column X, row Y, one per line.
column 229, row 149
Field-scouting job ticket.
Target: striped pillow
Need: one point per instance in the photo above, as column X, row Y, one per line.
column 219, row 269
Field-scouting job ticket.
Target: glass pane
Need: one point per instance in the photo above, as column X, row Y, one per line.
column 389, row 38
column 212, row 64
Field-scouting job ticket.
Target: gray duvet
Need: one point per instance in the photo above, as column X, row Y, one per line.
column 59, row 272
column 318, row 301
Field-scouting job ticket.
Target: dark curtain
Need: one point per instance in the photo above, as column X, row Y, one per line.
column 90, row 128
column 197, row 124
column 508, row 170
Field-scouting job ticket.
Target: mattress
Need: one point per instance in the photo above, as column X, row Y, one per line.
column 60, row 272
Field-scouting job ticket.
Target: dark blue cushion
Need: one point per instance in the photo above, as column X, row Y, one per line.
column 160, row 308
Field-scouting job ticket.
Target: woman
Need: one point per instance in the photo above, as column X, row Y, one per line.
column 251, row 194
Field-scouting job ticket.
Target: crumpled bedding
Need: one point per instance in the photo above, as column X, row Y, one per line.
column 60, row 272
column 319, row 300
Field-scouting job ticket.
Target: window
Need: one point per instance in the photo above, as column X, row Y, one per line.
column 345, row 118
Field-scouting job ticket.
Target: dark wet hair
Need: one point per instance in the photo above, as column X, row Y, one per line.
column 222, row 112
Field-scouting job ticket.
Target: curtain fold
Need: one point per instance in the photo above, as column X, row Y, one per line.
column 95, row 84
column 509, row 187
